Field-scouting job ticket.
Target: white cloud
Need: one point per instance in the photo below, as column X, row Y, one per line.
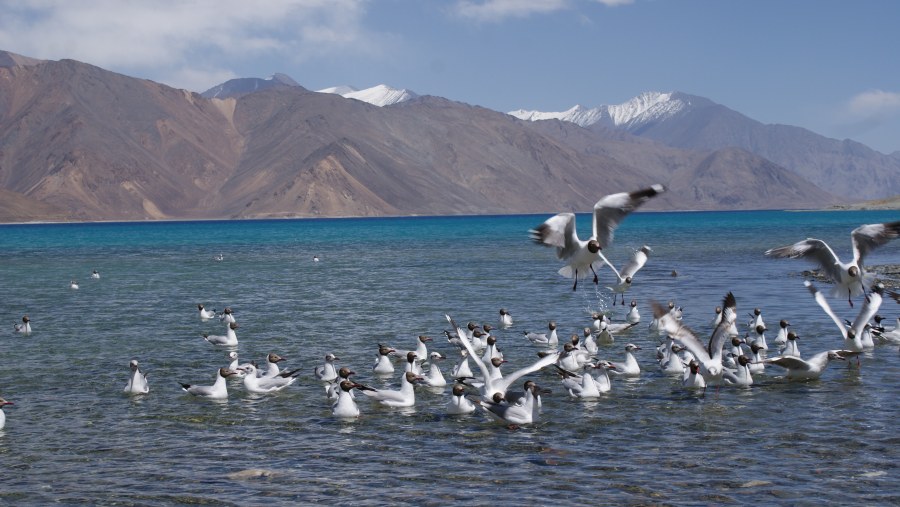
column 499, row 10
column 168, row 37
column 874, row 103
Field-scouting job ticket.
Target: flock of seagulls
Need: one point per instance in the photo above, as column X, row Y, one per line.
column 481, row 378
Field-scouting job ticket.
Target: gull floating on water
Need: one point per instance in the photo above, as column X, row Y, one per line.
column 137, row 382
column 3, row 403
column 217, row 391
column 459, row 404
column 404, row 397
column 852, row 336
column 812, row 368
column 505, row 318
column 345, row 406
column 580, row 255
column 327, row 372
column 24, row 327
column 204, row 313
column 229, row 339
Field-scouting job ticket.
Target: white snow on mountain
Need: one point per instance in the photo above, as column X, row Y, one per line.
column 646, row 107
column 380, row 95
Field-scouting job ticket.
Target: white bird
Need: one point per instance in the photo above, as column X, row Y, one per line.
column 435, row 377
column 634, row 316
column 272, row 368
column 626, row 276
column 95, row 275
column 24, row 327
column 757, row 359
column 73, row 284
column 791, row 348
column 235, row 366
column 549, row 340
column 580, row 255
column 741, row 376
column 693, row 379
column 412, row 363
column 492, row 350
column 229, row 339
column 226, row 316
column 585, row 386
column 462, row 369
column 217, row 391
column 345, row 407
column 332, row 388
column 459, row 404
column 526, row 412
column 850, row 278
column 760, row 337
column 573, row 358
column 404, row 397
column 812, row 368
column 383, row 365
column 890, row 335
column 327, row 372
column 671, row 362
column 137, row 382
column 628, row 368
column 500, row 385
column 709, row 358
column 421, row 349
column 205, row 314
column 852, row 336
column 756, row 319
column 506, row 320
column 263, row 385
column 3, row 403
column 781, row 338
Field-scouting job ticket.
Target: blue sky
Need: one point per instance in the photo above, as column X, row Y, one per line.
column 827, row 65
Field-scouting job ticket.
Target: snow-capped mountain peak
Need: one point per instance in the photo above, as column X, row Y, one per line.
column 380, row 95
column 646, row 107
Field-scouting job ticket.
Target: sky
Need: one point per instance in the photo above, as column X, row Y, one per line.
column 831, row 66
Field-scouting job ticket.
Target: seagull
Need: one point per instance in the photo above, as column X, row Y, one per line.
column 404, row 397
column 333, row 388
column 549, row 340
column 383, row 365
column 580, row 255
column 812, row 368
column 272, row 369
column 585, row 386
column 459, row 404
column 693, row 379
column 756, row 319
column 217, row 391
column 435, row 378
column 345, row 407
column 205, row 314
column 742, row 376
column 630, row 367
column 263, row 385
column 226, row 316
column 24, row 327
column 633, row 316
column 421, row 349
column 229, row 339
column 505, row 318
column 3, row 403
column 137, row 382
column 73, row 284
column 626, row 276
column 462, row 369
column 95, row 274
column 790, row 347
column 500, row 385
column 850, row 278
column 526, row 412
column 235, row 366
column 781, row 339
column 327, row 372
column 708, row 358
column 852, row 336
column 412, row 363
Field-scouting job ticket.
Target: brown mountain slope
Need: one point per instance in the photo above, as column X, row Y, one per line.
column 103, row 146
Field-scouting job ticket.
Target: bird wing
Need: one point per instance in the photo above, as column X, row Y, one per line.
column 610, row 210
column 485, row 373
column 638, row 259
column 813, row 250
column 820, row 298
column 679, row 333
column 868, row 237
column 503, row 384
column 789, row 362
column 558, row 231
column 868, row 310
column 720, row 334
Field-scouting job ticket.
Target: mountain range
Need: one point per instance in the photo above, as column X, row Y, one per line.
column 78, row 142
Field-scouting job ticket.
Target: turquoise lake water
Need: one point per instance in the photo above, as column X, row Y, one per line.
column 73, row 437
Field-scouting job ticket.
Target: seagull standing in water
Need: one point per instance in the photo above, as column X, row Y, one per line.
column 137, row 382
column 580, row 255
column 850, row 277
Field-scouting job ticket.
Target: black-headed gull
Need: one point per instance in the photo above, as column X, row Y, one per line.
column 559, row 231
column 24, row 327
column 205, row 314
column 459, row 404
column 549, row 340
column 812, row 368
column 327, row 372
column 852, row 336
column 585, row 386
column 709, row 357
column 217, row 391
column 332, row 388
column 263, row 385
column 505, row 318
column 345, row 407
column 625, row 277
column 435, row 377
column 850, row 278
column 229, row 339
column 514, row 415
column 95, row 274
column 137, row 381
column 383, row 364
column 741, row 376
column 634, row 316
column 629, row 367
column 404, row 397
column 3, row 403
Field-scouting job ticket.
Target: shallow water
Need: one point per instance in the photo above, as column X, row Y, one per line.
column 72, row 437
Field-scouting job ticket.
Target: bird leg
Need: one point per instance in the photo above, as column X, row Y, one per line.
column 575, row 285
column 596, row 280
column 849, row 293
